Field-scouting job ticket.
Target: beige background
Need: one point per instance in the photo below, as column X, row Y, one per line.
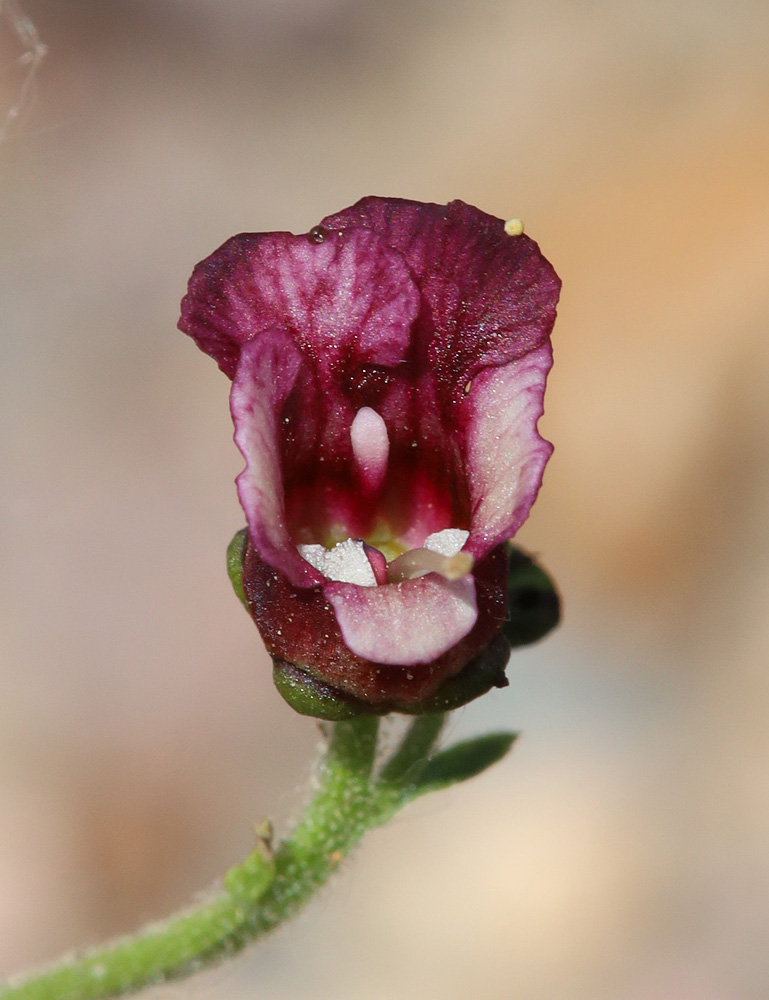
column 622, row 852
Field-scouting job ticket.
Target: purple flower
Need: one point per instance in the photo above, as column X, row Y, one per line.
column 388, row 374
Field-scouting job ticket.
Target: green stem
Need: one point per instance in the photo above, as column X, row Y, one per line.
column 256, row 895
column 268, row 888
column 411, row 756
column 333, row 823
column 401, row 773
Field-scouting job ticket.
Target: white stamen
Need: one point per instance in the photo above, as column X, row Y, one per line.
column 347, row 562
column 514, row 227
column 442, row 553
column 370, row 446
column 448, row 542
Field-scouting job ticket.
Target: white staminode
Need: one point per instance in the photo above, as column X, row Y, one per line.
column 370, row 446
column 441, row 553
column 347, row 562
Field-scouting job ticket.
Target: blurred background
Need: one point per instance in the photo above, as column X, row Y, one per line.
column 622, row 851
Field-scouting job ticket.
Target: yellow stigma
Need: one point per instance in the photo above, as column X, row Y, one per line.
column 514, row 227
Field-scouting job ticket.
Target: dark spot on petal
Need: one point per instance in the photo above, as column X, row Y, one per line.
column 317, row 234
column 366, row 384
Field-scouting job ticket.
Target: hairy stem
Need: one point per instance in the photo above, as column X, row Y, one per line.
column 257, row 895
column 269, row 887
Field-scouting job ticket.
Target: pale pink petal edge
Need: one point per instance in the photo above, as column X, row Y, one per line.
column 505, row 453
column 404, row 623
column 265, row 375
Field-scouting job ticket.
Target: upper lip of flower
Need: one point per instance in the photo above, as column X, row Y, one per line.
column 388, row 374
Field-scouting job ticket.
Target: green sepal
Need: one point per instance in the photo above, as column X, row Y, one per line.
column 462, row 761
column 533, row 602
column 309, row 696
column 236, row 552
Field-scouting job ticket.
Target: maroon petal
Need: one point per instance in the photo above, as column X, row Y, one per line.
column 388, row 376
column 489, row 304
column 491, row 297
column 337, row 296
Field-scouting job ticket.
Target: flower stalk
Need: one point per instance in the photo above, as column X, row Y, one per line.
column 269, row 887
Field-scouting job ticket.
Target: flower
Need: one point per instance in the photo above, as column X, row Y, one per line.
column 388, row 371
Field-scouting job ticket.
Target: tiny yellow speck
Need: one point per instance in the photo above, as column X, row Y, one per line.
column 514, row 227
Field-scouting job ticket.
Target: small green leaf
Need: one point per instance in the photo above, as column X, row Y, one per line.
column 247, row 882
column 462, row 761
column 236, row 552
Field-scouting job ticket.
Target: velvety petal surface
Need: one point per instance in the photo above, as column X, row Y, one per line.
column 504, row 452
column 340, row 297
column 491, row 297
column 264, row 379
column 404, row 623
column 489, row 303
